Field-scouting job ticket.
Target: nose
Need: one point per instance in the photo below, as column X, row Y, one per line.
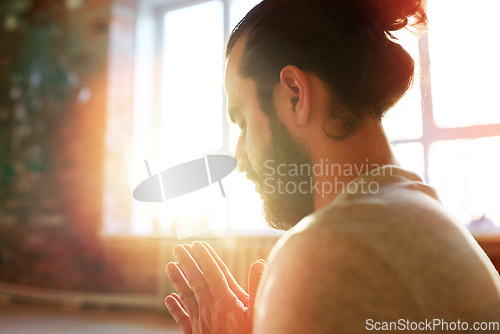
column 241, row 156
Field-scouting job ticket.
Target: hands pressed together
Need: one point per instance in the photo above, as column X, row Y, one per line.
column 208, row 298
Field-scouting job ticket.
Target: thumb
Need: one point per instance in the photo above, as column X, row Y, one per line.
column 256, row 270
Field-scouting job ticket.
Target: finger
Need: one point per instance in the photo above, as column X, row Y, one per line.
column 233, row 285
column 178, row 265
column 180, row 269
column 262, row 260
column 254, row 276
column 176, row 296
column 186, row 295
column 179, row 314
column 188, row 248
column 193, row 274
column 217, row 283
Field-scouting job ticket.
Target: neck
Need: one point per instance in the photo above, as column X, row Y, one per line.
column 336, row 163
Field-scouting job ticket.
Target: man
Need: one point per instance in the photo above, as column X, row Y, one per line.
column 308, row 83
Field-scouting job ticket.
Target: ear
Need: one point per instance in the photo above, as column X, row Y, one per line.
column 296, row 90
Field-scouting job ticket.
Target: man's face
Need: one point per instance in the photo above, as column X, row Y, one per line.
column 264, row 144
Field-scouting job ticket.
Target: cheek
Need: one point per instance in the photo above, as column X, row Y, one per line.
column 258, row 138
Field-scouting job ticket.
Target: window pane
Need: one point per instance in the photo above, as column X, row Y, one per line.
column 464, row 49
column 194, row 213
column 411, row 157
column 464, row 172
column 192, row 78
column 404, row 120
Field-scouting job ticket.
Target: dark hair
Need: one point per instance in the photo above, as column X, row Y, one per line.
column 346, row 43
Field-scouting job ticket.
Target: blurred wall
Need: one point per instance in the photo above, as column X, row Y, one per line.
column 53, row 87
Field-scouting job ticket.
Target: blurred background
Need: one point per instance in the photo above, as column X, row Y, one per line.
column 81, row 79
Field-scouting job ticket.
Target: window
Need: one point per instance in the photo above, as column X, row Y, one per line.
column 454, row 141
column 446, row 128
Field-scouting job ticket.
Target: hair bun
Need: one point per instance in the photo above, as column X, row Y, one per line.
column 393, row 15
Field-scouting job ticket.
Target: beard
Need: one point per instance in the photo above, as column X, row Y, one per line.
column 283, row 206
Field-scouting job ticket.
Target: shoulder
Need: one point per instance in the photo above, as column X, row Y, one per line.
column 321, row 282
column 389, row 199
column 334, row 270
